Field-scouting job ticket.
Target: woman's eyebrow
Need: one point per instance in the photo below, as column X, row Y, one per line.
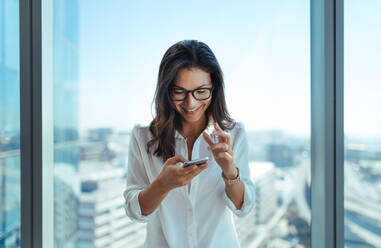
column 196, row 88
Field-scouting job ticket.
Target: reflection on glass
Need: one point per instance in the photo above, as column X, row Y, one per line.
column 362, row 167
column 9, row 125
column 66, row 140
column 106, row 60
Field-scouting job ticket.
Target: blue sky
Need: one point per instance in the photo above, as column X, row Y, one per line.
column 262, row 46
column 362, row 78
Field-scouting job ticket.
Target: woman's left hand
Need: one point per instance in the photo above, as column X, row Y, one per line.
column 222, row 151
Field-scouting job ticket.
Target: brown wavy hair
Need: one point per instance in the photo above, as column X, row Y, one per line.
column 184, row 54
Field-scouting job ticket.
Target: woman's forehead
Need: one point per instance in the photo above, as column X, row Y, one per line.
column 192, row 78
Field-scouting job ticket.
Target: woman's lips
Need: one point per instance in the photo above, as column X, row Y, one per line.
column 191, row 112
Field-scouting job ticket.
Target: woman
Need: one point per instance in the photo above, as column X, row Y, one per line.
column 192, row 206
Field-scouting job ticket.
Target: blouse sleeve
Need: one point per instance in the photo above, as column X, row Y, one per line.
column 240, row 151
column 137, row 180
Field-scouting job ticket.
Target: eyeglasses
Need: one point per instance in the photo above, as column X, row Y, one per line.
column 200, row 94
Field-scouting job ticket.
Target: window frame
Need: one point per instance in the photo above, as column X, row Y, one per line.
column 36, row 125
column 327, row 136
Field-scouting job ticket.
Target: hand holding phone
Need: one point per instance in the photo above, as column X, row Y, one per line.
column 195, row 161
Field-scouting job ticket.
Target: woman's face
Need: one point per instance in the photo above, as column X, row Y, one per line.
column 192, row 110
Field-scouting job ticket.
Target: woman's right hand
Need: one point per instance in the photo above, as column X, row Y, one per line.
column 173, row 176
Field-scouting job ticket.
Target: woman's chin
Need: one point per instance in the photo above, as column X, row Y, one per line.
column 191, row 118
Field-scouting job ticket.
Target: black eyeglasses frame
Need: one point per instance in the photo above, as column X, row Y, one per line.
column 192, row 91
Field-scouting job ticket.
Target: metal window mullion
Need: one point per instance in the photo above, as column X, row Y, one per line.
column 339, row 122
column 326, row 123
column 31, row 123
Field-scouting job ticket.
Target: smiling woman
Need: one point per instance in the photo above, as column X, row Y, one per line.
column 99, row 95
column 173, row 200
column 192, row 109
column 187, row 65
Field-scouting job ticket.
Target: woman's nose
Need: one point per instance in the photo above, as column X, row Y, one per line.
column 190, row 100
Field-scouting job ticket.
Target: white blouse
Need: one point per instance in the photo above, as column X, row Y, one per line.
column 199, row 215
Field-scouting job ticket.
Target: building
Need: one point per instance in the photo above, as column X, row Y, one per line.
column 281, row 155
column 266, row 195
column 102, row 219
column 252, row 229
column 66, row 191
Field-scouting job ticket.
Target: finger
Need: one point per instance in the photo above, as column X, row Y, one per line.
column 223, row 155
column 219, row 146
column 222, row 136
column 181, row 171
column 217, row 152
column 203, row 166
column 176, row 159
column 197, row 168
column 207, row 138
column 187, row 170
column 216, row 126
column 196, row 171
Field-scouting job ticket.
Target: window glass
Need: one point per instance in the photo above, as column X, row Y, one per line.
column 106, row 61
column 362, row 122
column 9, row 124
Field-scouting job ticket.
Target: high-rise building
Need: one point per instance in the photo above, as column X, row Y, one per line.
column 281, row 155
column 252, row 229
column 66, row 191
column 102, row 219
column 266, row 195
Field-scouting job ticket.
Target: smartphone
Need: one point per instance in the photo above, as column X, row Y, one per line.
column 195, row 161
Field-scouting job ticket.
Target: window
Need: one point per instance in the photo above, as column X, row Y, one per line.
column 100, row 58
column 9, row 125
column 362, row 170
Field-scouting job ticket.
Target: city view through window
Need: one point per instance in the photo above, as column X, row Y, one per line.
column 9, row 125
column 106, row 59
column 362, row 143
column 104, row 85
